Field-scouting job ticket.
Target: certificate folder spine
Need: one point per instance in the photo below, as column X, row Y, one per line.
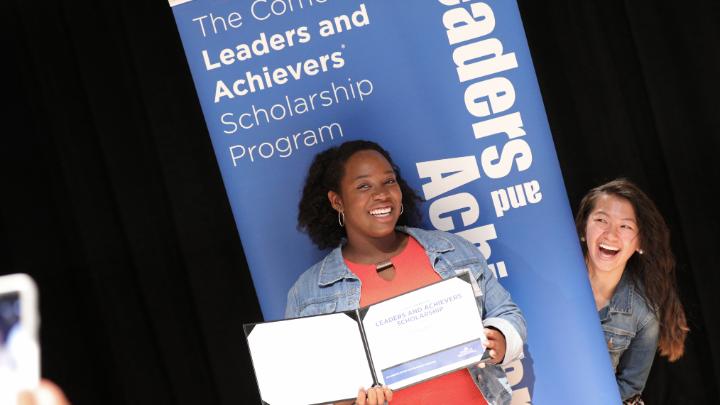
column 358, row 316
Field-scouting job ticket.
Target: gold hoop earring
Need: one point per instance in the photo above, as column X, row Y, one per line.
column 402, row 208
column 341, row 219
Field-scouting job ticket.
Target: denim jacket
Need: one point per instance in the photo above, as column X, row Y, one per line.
column 329, row 286
column 631, row 332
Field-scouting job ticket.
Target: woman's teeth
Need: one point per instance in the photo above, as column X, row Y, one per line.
column 609, row 249
column 381, row 212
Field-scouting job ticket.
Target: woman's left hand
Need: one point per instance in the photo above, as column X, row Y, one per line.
column 47, row 393
column 496, row 345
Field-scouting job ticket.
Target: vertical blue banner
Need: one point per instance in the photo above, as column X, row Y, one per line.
column 448, row 88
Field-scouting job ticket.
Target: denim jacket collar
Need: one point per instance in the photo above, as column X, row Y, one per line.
column 622, row 300
column 333, row 268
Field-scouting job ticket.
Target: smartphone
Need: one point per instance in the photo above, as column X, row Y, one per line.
column 19, row 347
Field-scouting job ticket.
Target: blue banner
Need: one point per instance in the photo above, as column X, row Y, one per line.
column 448, row 88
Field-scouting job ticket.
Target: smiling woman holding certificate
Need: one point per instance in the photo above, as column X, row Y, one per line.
column 355, row 201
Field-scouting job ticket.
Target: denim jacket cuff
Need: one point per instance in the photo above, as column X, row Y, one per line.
column 513, row 341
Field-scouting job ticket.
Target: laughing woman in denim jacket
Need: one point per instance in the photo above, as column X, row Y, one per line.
column 632, row 273
column 355, row 201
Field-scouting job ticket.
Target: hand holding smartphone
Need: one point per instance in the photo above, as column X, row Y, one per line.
column 19, row 348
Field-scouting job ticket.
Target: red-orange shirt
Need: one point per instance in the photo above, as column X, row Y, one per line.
column 413, row 270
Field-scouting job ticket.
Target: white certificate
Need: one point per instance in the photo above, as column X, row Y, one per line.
column 397, row 342
column 311, row 360
column 425, row 333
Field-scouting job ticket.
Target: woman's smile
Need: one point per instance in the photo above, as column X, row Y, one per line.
column 382, row 214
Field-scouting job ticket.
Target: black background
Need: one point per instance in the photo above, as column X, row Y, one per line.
column 113, row 202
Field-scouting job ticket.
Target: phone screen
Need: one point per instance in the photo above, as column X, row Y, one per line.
column 19, row 354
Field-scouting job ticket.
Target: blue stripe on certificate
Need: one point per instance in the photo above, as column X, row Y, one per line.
column 432, row 362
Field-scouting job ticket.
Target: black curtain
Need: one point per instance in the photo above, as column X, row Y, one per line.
column 113, row 202
column 630, row 88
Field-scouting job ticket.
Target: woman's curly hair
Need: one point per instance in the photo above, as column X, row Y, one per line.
column 317, row 217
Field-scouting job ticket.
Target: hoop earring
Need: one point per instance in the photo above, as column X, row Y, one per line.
column 582, row 238
column 402, row 208
column 341, row 219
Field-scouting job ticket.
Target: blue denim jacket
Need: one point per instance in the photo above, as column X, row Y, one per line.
column 631, row 332
column 329, row 286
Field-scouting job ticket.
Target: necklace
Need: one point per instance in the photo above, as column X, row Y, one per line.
column 383, row 265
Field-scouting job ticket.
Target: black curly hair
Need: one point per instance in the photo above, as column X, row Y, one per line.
column 317, row 217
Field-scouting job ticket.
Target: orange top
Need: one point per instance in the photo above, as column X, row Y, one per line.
column 413, row 270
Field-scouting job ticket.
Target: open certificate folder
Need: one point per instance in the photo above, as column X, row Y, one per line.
column 397, row 342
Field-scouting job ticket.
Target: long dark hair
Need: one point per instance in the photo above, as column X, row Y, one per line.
column 654, row 270
column 316, row 216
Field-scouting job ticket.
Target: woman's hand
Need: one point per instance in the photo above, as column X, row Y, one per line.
column 496, row 345
column 373, row 396
column 47, row 393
